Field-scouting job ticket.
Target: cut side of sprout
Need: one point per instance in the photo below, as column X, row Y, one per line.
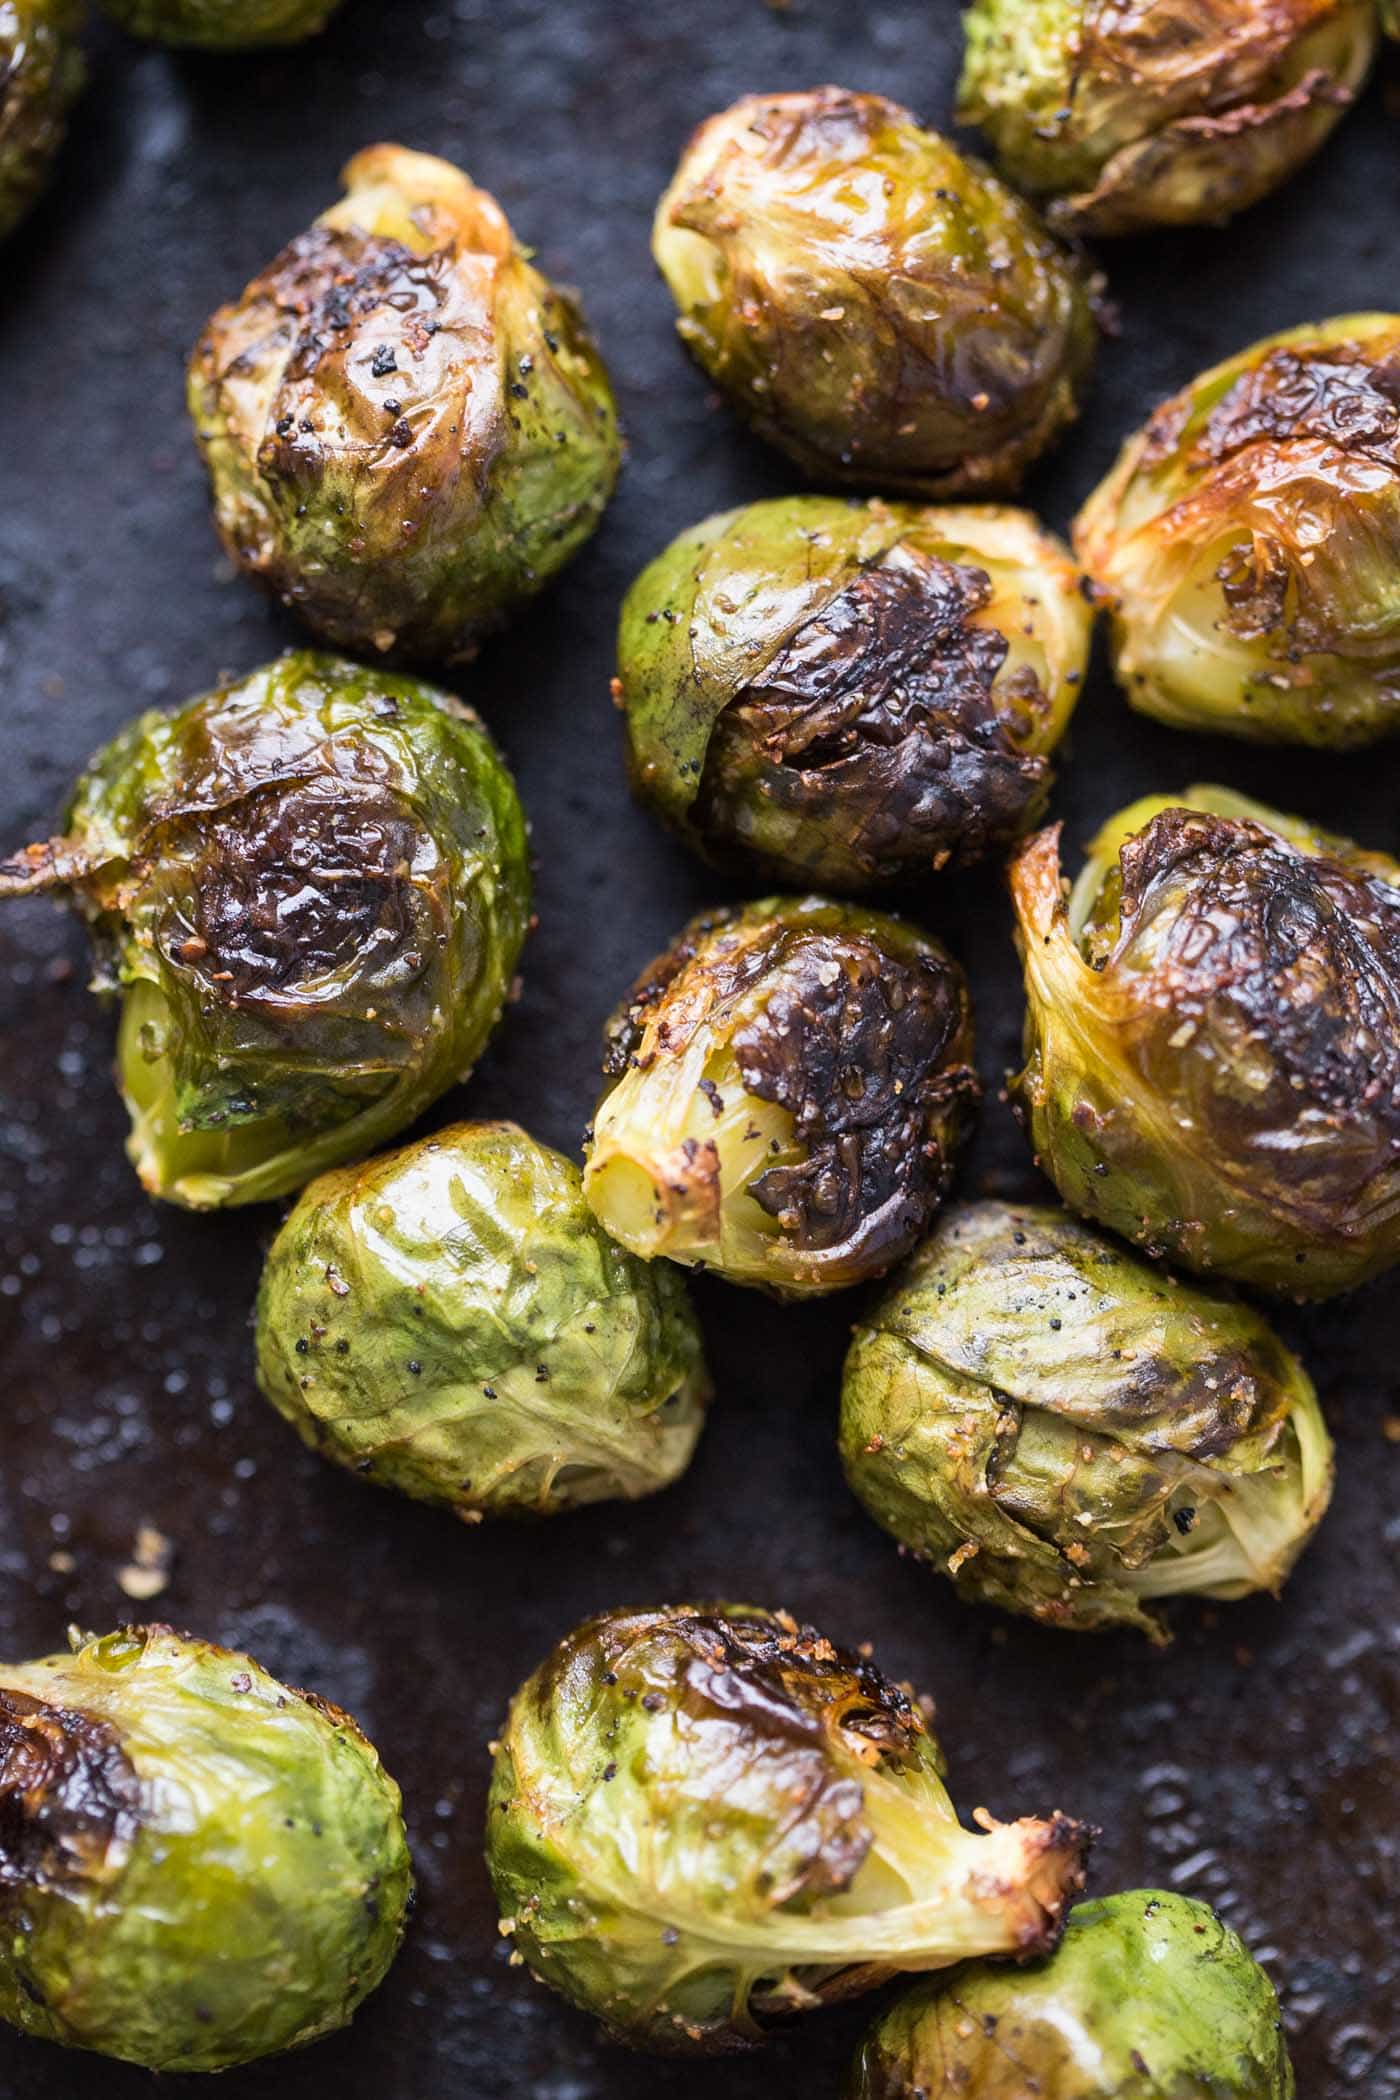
column 1245, row 1532
column 197, row 1168
column 676, row 1152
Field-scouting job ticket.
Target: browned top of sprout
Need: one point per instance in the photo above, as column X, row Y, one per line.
column 866, row 1047
column 68, row 1794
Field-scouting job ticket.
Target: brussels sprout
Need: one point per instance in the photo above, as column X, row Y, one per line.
column 707, row 1817
column 1390, row 17
column 1213, row 1039
column 223, row 25
column 407, row 428
column 450, row 1320
column 882, row 309
column 1150, row 1997
column 1130, row 114
column 851, row 693
column 1072, row 1433
column 1248, row 542
column 41, row 73
column 789, row 1085
column 198, row 1866
column 310, row 888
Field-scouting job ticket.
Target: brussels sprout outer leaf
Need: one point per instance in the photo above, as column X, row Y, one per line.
column 1071, row 1432
column 852, row 694
column 1246, row 542
column 452, row 1321
column 1128, row 118
column 707, row 1817
column 1148, row 1997
column 223, row 25
column 791, row 1084
column 311, row 889
column 408, row 430
column 198, row 1866
column 41, row 74
column 932, row 341
column 1213, row 1040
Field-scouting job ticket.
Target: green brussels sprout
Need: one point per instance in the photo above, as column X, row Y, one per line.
column 198, row 1865
column 407, row 428
column 1247, row 543
column 707, row 1817
column 41, row 73
column 1213, row 1039
column 852, row 694
column 1149, row 1997
column 310, row 888
column 789, row 1085
column 879, row 307
column 223, row 25
column 450, row 1320
column 1129, row 114
column 1072, row 1433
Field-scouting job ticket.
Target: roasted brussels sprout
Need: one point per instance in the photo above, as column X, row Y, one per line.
column 708, row 1817
column 451, row 1320
column 1072, row 1433
column 1129, row 114
column 852, row 694
column 41, row 72
column 223, row 25
column 1149, row 1997
column 1213, row 1039
column 883, row 310
column 1390, row 17
column 1247, row 542
column 408, row 430
column 789, row 1085
column 198, row 1866
column 310, row 888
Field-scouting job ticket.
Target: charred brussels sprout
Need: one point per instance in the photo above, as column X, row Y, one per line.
column 1213, row 1039
column 789, row 1087
column 310, row 888
column 852, row 694
column 407, row 428
column 1074, row 1434
column 198, row 1865
column 706, row 1818
column 1247, row 542
column 41, row 72
column 1149, row 1997
column 1129, row 114
column 880, row 308
column 223, row 25
column 450, row 1320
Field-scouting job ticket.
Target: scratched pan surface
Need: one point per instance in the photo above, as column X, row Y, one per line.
column 1255, row 1763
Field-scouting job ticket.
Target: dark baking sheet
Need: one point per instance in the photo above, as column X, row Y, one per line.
column 1256, row 1762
